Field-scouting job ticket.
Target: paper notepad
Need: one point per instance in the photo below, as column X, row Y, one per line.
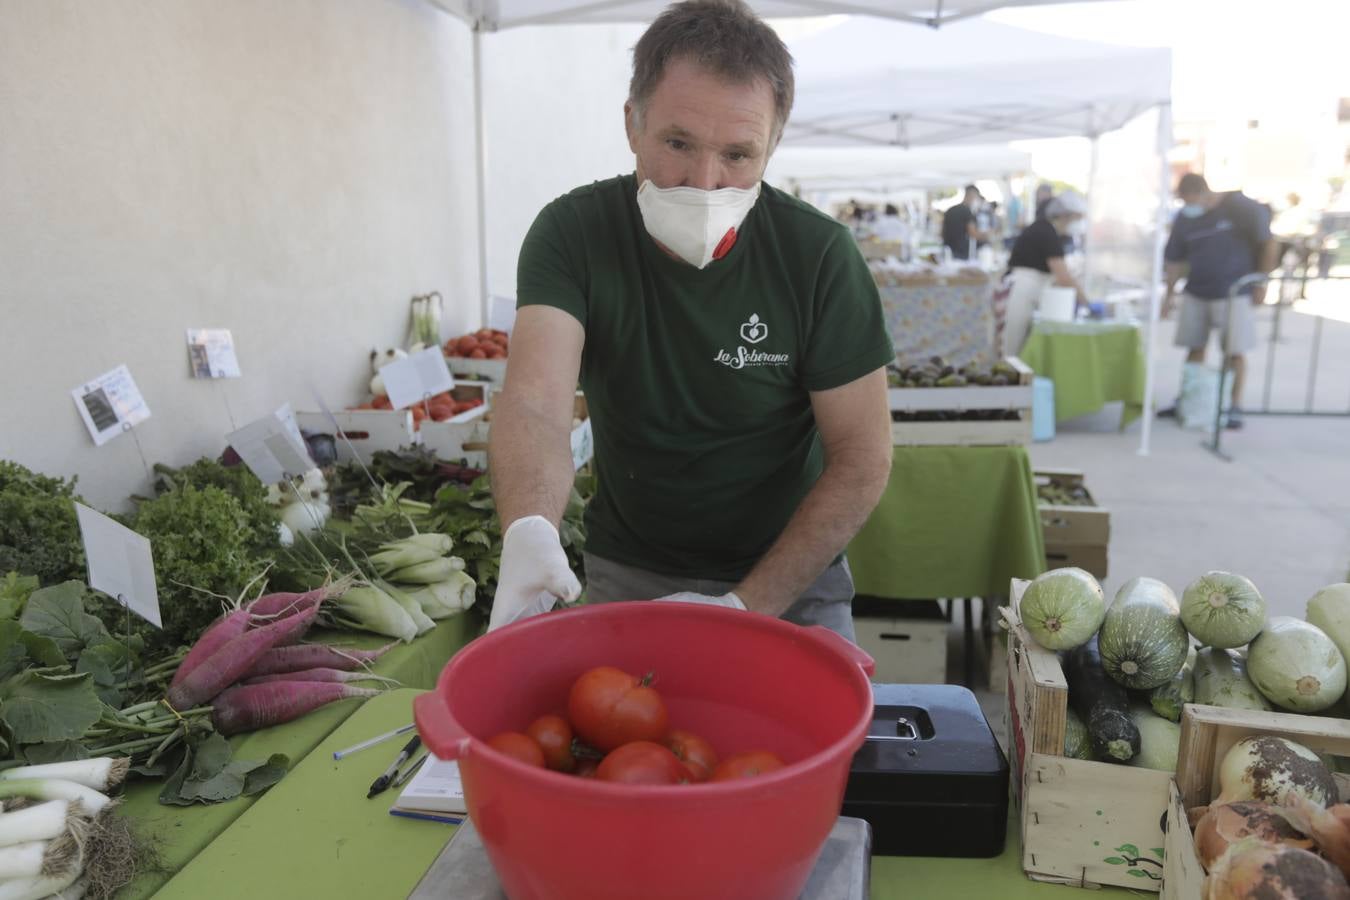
column 435, row 791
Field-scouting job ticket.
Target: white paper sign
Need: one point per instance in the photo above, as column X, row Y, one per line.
column 272, row 448
column 211, row 353
column 421, row 375
column 502, row 314
column 110, row 405
column 120, row 564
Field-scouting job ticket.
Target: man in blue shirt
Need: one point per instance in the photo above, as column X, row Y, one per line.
column 1216, row 239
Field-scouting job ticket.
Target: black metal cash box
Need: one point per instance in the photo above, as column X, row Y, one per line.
column 930, row 778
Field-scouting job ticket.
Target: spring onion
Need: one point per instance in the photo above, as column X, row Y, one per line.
column 101, row 774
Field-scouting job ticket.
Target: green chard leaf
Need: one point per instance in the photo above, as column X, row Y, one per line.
column 54, row 751
column 58, row 613
column 40, row 707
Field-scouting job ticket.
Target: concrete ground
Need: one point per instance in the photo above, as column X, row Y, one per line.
column 1278, row 511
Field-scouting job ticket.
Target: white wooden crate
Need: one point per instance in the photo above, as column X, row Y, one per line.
column 906, row 650
column 966, row 432
column 1082, row 822
column 367, row 430
column 581, row 439
column 491, row 369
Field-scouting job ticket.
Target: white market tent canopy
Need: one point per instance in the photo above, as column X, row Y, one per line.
column 878, row 83
column 491, row 15
column 892, row 168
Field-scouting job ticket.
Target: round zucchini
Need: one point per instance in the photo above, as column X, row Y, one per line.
column 1296, row 666
column 1223, row 610
column 1063, row 608
column 1143, row 643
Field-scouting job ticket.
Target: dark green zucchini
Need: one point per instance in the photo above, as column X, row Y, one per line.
column 1076, row 743
column 1102, row 704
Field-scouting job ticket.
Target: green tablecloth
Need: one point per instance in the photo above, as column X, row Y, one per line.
column 182, row 832
column 953, row 522
column 316, row 835
column 1091, row 364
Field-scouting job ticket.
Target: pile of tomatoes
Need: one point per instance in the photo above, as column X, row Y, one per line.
column 617, row 729
column 485, row 343
column 438, row 408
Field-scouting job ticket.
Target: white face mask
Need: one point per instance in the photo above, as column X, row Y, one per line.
column 697, row 226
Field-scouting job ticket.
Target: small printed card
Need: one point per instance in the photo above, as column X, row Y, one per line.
column 272, row 447
column 110, row 405
column 211, row 353
column 120, row 563
column 434, row 788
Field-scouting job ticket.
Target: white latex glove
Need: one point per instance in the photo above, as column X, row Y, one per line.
column 534, row 572
column 729, row 599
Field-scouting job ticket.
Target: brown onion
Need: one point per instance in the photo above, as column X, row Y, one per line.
column 1230, row 823
column 1252, row 870
column 1329, row 828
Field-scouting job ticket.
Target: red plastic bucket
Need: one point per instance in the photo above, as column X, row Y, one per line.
column 743, row 681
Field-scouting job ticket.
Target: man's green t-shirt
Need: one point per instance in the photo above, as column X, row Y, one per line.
column 697, row 380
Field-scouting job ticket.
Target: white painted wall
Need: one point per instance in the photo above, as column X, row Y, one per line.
column 553, row 100
column 293, row 170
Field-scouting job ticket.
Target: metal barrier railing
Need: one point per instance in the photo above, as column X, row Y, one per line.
column 1286, row 298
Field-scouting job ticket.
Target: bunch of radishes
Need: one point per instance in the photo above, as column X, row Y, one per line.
column 51, row 812
column 249, row 666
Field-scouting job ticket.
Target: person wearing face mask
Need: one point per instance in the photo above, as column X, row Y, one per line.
column 1217, row 239
column 1037, row 262
column 731, row 345
column 960, row 228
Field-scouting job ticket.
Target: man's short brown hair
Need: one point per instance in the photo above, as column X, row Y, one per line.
column 723, row 36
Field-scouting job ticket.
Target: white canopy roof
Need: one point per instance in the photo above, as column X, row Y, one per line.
column 882, row 83
column 491, row 15
column 892, row 168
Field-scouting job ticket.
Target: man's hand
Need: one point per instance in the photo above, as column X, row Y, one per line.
column 1258, row 294
column 534, row 572
column 728, row 600
column 1169, row 306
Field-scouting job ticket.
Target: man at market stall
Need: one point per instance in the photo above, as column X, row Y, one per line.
column 960, row 228
column 1037, row 262
column 730, row 342
column 1217, row 239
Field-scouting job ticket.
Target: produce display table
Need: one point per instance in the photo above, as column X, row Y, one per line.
column 951, row 317
column 953, row 522
column 182, row 832
column 1091, row 364
column 315, row 835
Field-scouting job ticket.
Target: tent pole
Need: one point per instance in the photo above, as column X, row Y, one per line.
column 480, row 169
column 1155, row 284
column 1091, row 204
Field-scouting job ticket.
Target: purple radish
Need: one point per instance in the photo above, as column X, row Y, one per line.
column 255, row 706
column 217, row 634
column 235, row 658
column 321, row 674
column 312, row 656
column 288, row 603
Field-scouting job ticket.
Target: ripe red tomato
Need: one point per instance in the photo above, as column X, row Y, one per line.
column 609, row 708
column 586, row 768
column 518, row 746
column 554, row 737
column 642, row 762
column 697, row 754
column 746, row 765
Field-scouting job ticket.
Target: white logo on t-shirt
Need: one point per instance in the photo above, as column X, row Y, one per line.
column 752, row 332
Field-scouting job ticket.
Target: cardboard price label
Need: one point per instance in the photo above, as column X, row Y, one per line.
column 423, row 374
column 211, row 353
column 272, row 447
column 120, row 563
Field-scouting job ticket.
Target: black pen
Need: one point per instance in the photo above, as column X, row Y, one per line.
column 382, row 783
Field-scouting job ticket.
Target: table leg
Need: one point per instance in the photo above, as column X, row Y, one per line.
column 968, row 626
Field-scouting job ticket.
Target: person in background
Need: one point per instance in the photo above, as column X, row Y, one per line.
column 960, row 232
column 1045, row 192
column 1217, row 239
column 890, row 227
column 990, row 222
column 731, row 343
column 1037, row 262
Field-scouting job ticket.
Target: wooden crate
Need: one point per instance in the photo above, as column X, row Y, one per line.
column 1207, row 734
column 492, row 369
column 366, row 430
column 1089, row 559
column 968, row 432
column 1082, row 822
column 1072, row 526
column 906, row 650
